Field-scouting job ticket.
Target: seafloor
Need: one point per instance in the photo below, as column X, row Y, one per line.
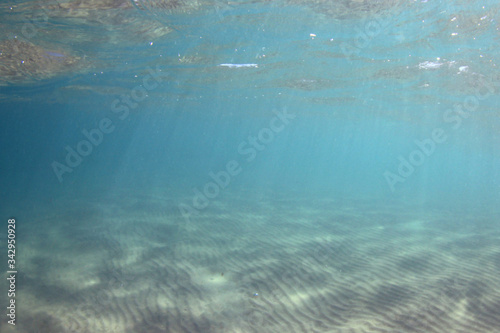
column 255, row 262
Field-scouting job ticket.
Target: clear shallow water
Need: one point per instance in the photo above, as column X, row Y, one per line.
column 197, row 112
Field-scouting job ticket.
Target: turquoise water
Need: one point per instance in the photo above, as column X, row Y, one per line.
column 155, row 127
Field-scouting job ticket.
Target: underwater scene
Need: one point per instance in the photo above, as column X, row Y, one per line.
column 250, row 166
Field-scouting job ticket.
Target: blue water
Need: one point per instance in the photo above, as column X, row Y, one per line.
column 384, row 103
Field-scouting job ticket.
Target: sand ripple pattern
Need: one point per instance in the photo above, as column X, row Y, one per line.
column 280, row 266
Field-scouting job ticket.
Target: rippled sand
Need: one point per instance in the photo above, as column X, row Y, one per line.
column 289, row 264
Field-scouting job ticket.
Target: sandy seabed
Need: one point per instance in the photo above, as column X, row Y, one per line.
column 266, row 264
